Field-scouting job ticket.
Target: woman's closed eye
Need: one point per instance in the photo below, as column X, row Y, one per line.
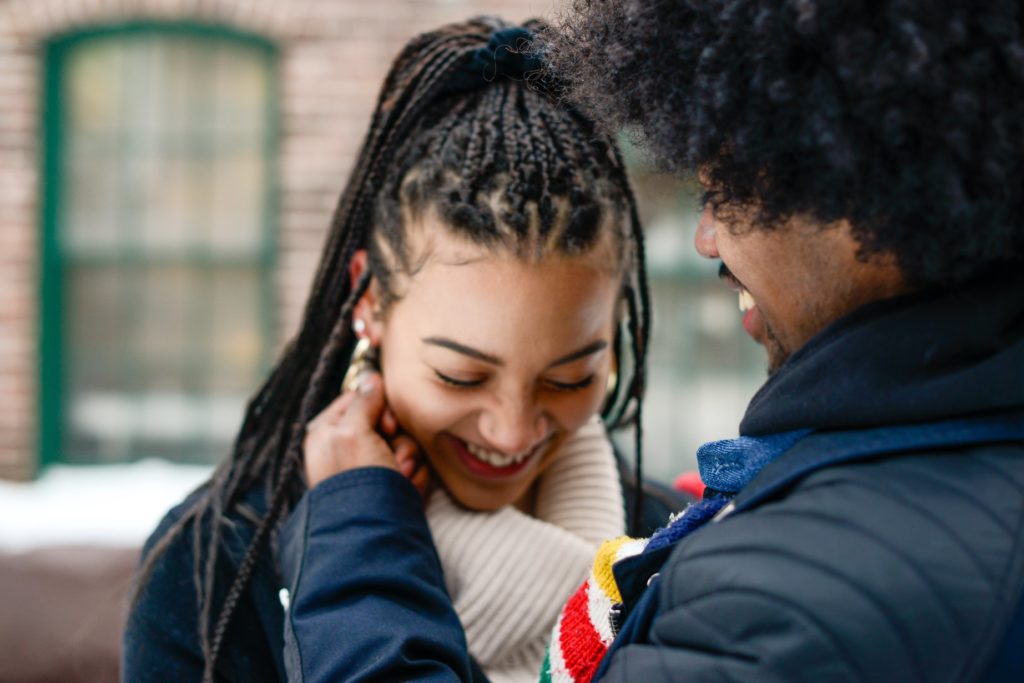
column 462, row 383
column 557, row 385
column 570, row 386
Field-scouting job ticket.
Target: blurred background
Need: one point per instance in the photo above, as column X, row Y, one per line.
column 168, row 171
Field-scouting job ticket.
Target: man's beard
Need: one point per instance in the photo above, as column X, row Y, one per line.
column 776, row 351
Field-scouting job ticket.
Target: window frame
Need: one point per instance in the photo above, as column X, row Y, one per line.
column 51, row 333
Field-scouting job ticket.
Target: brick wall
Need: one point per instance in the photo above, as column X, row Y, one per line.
column 334, row 54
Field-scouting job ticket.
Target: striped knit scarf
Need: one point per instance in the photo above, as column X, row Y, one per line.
column 584, row 629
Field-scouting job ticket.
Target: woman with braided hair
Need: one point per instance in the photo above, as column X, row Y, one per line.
column 485, row 258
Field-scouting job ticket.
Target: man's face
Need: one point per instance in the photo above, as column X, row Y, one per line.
column 795, row 279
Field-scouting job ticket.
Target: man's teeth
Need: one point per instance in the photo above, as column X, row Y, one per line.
column 746, row 301
column 496, row 459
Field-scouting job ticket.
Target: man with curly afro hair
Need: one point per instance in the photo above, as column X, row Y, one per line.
column 863, row 169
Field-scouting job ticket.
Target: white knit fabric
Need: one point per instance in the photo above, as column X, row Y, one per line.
column 509, row 573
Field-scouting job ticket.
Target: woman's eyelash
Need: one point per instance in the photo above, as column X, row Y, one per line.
column 557, row 386
column 465, row 384
column 572, row 386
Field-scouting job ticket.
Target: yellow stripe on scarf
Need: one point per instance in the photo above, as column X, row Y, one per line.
column 608, row 554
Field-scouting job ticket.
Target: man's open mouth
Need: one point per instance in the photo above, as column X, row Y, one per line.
column 752, row 322
column 746, row 301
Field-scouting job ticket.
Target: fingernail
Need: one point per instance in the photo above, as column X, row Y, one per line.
column 366, row 384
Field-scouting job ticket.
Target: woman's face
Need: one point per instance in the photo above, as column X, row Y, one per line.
column 490, row 362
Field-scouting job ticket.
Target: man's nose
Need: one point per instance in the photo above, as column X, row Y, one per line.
column 513, row 427
column 704, row 238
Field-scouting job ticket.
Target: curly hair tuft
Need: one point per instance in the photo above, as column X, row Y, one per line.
column 905, row 118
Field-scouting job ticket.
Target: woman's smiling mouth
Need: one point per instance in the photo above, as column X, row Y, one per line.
column 492, row 464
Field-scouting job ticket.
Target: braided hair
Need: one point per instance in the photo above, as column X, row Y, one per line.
column 458, row 130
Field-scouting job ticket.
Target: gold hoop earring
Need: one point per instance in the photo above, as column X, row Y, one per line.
column 364, row 358
column 613, row 381
column 612, row 385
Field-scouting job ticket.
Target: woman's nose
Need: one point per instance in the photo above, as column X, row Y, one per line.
column 514, row 427
column 704, row 238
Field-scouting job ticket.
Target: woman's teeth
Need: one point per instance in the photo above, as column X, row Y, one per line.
column 496, row 459
column 746, row 301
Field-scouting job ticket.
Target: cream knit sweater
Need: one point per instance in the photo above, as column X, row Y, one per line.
column 509, row 574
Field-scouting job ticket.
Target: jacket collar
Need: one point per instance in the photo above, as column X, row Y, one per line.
column 926, row 356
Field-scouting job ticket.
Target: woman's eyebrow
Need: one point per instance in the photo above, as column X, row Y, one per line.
column 455, row 346
column 593, row 347
column 463, row 349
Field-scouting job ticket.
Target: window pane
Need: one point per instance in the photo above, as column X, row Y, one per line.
column 234, row 179
column 165, row 146
column 236, row 344
column 162, row 229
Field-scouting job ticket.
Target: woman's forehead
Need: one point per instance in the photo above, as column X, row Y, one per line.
column 488, row 295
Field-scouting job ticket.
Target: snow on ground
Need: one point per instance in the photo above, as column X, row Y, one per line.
column 114, row 505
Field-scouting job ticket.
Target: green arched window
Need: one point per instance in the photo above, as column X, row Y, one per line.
column 158, row 224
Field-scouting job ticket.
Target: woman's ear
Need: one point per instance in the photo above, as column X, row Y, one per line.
column 367, row 308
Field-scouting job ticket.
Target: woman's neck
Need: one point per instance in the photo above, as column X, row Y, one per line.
column 527, row 503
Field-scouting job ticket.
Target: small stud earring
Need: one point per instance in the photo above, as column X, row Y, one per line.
column 358, row 326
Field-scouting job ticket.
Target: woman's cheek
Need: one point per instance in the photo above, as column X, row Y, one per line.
column 424, row 412
column 577, row 409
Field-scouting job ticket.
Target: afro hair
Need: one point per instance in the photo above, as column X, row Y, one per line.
column 905, row 118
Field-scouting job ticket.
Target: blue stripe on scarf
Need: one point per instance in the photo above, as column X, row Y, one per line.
column 725, row 466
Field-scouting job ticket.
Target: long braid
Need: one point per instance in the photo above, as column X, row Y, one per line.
column 433, row 80
column 544, row 155
column 474, row 152
column 641, row 336
column 289, row 466
column 636, row 392
column 354, row 203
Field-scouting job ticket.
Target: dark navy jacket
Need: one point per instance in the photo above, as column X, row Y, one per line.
column 388, row 547
column 888, row 546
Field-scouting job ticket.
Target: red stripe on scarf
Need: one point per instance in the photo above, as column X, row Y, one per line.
column 579, row 641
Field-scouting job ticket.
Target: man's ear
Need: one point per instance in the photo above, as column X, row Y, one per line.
column 368, row 307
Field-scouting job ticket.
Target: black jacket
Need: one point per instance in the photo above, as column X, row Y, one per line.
column 900, row 558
